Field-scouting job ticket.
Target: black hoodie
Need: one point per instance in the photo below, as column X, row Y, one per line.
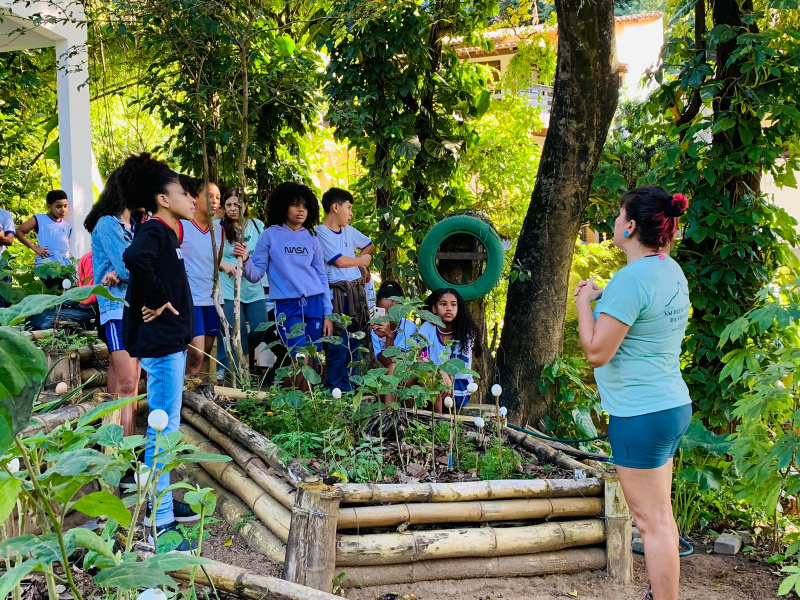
column 157, row 276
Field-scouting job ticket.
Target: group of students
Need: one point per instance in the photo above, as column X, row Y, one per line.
column 152, row 244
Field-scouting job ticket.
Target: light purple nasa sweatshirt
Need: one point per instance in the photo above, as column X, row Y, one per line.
column 293, row 262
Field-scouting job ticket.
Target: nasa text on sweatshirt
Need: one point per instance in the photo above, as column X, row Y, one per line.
column 293, row 262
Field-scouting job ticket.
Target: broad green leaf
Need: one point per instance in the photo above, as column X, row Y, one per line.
column 78, row 536
column 23, row 367
column 106, row 408
column 12, row 578
column 38, row 303
column 9, row 492
column 99, row 504
column 201, row 499
column 110, row 434
column 131, row 575
column 173, row 561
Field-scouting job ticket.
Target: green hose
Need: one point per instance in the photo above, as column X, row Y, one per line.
column 552, row 439
column 688, row 552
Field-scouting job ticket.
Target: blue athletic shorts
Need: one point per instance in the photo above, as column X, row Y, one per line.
column 114, row 335
column 301, row 310
column 206, row 321
column 648, row 441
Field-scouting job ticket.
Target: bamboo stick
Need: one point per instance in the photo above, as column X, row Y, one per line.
column 49, row 421
column 618, row 531
column 525, row 565
column 248, row 437
column 255, row 468
column 235, row 512
column 547, row 454
column 369, row 493
column 271, row 512
column 241, row 582
column 467, row 512
column 311, row 550
column 237, row 394
column 413, row 546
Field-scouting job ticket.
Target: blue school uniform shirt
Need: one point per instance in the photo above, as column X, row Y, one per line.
column 6, row 225
column 110, row 238
column 293, row 261
column 53, row 235
column 251, row 291
column 651, row 296
column 406, row 329
column 437, row 352
column 336, row 244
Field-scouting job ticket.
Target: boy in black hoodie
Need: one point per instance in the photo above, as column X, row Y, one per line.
column 157, row 323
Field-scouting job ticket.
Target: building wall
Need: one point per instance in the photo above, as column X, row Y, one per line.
column 638, row 49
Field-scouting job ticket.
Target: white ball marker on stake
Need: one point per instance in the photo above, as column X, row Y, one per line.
column 336, row 393
column 479, row 422
column 472, row 387
column 152, row 594
column 448, row 402
column 496, row 390
column 66, row 284
column 503, row 411
column 158, row 419
column 13, row 465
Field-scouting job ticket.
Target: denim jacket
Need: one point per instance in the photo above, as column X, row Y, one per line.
column 110, row 239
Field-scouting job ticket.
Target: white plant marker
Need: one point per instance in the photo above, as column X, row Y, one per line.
column 336, row 393
column 158, row 419
column 152, row 594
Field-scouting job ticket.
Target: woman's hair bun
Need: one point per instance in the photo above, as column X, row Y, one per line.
column 677, row 205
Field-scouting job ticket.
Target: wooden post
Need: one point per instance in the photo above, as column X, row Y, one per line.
column 311, row 549
column 619, row 559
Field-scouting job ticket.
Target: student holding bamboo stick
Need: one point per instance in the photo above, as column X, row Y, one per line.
column 633, row 340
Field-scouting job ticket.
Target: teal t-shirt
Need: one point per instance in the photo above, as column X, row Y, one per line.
column 651, row 296
column 251, row 292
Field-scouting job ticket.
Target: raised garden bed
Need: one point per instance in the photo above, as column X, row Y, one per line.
column 384, row 533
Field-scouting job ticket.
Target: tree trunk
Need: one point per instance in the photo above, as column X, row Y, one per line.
column 383, row 200
column 585, row 99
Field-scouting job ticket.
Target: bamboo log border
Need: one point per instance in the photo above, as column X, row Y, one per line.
column 486, row 542
column 272, row 513
column 235, row 512
column 524, row 565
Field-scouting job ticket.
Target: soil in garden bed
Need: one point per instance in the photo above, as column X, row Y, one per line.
column 408, row 456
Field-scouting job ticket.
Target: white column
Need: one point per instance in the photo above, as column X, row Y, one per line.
column 75, row 135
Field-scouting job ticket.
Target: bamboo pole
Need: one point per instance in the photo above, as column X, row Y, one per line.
column 49, row 421
column 618, row 531
column 311, row 554
column 241, row 582
column 248, row 437
column 237, row 394
column 93, row 353
column 547, row 454
column 369, row 493
column 525, row 565
column 413, row 546
column 235, row 512
column 467, row 512
column 271, row 512
column 255, row 468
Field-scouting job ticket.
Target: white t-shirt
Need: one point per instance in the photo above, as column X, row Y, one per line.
column 198, row 256
column 336, row 244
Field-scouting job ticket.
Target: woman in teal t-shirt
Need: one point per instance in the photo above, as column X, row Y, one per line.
column 253, row 301
column 633, row 340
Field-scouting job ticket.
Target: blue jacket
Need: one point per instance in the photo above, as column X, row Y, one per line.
column 110, row 238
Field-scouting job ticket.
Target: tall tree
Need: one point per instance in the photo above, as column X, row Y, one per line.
column 585, row 99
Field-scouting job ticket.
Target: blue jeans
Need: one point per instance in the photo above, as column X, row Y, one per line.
column 164, row 391
column 254, row 313
column 338, row 358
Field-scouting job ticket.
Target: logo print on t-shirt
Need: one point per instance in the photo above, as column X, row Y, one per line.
column 179, row 253
column 295, row 250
